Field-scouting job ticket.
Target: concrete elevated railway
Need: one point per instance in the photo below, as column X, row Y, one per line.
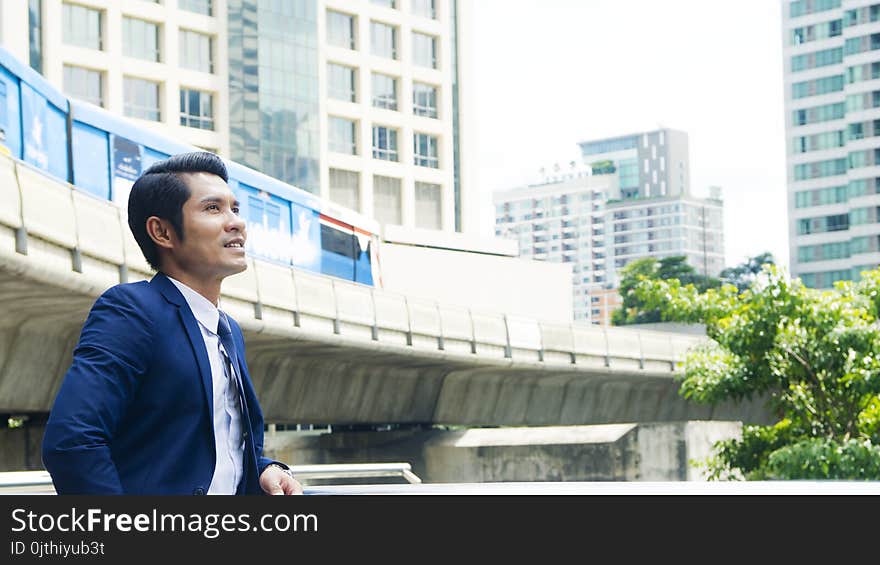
column 326, row 351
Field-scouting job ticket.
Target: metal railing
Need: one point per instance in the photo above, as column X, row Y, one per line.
column 40, row 482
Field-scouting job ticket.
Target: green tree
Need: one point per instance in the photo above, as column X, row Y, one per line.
column 632, row 310
column 743, row 275
column 812, row 353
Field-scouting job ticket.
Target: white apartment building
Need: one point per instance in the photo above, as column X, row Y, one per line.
column 831, row 54
column 562, row 222
column 664, row 227
column 359, row 101
column 572, row 221
column 651, row 211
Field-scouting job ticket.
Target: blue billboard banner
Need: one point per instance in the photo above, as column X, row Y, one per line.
column 127, row 162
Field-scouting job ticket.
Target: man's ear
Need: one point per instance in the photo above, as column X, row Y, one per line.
column 161, row 232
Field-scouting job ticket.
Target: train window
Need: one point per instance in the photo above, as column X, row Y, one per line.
column 263, row 213
column 363, row 267
column 10, row 123
column 337, row 241
column 91, row 160
column 268, row 223
column 3, row 112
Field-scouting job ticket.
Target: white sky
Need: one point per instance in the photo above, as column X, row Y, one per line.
column 551, row 73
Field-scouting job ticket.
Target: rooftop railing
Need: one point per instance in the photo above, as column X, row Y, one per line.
column 40, row 482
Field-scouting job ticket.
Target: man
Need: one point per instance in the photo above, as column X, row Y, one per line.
column 158, row 399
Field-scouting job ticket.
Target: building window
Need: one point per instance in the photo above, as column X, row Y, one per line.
column 341, row 30
column 384, row 91
column 341, row 83
column 383, row 40
column 141, row 99
column 385, row 143
column 196, row 51
column 429, row 206
column 198, row 6
column 343, row 135
column 424, row 100
column 196, row 109
column 84, row 84
column 387, row 3
column 345, row 188
column 82, row 26
column 386, row 200
column 424, row 50
column 425, row 150
column 425, row 8
column 140, row 39
column 35, row 35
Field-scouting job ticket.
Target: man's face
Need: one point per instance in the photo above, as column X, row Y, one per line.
column 214, row 234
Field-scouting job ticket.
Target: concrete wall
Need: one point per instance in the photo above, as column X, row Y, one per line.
column 20, row 447
column 609, row 452
column 534, row 289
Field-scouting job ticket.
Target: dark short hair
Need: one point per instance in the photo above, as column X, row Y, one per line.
column 160, row 191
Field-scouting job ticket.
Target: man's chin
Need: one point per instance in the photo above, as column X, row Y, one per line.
column 237, row 267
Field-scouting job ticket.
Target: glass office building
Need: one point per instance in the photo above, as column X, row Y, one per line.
column 274, row 110
column 362, row 103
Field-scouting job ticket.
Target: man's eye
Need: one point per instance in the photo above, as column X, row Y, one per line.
column 212, row 207
column 235, row 210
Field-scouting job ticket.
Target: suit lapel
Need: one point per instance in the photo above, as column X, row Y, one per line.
column 197, row 342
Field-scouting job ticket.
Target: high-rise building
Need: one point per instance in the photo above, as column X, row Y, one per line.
column 647, row 165
column 832, row 124
column 358, row 101
column 651, row 211
column 666, row 226
column 561, row 221
column 632, row 200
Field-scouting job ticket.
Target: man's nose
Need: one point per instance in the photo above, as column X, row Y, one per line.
column 236, row 222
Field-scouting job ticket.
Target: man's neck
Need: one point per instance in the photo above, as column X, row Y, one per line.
column 210, row 289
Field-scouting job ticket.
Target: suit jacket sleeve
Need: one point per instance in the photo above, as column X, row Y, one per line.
column 112, row 354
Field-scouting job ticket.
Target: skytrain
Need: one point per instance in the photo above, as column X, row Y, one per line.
column 102, row 154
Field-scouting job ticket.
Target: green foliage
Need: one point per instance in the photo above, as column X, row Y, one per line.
column 605, row 167
column 629, row 312
column 633, row 310
column 812, row 353
column 747, row 457
column 743, row 275
column 823, row 458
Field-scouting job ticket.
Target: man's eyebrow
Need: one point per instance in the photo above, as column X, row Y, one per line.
column 217, row 200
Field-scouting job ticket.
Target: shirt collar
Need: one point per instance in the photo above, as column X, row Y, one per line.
column 204, row 311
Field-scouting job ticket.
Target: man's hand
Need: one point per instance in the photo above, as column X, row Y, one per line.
column 275, row 481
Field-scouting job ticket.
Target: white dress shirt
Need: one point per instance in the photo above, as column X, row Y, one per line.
column 228, row 440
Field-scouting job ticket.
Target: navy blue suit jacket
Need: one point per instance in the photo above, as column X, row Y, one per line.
column 134, row 412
